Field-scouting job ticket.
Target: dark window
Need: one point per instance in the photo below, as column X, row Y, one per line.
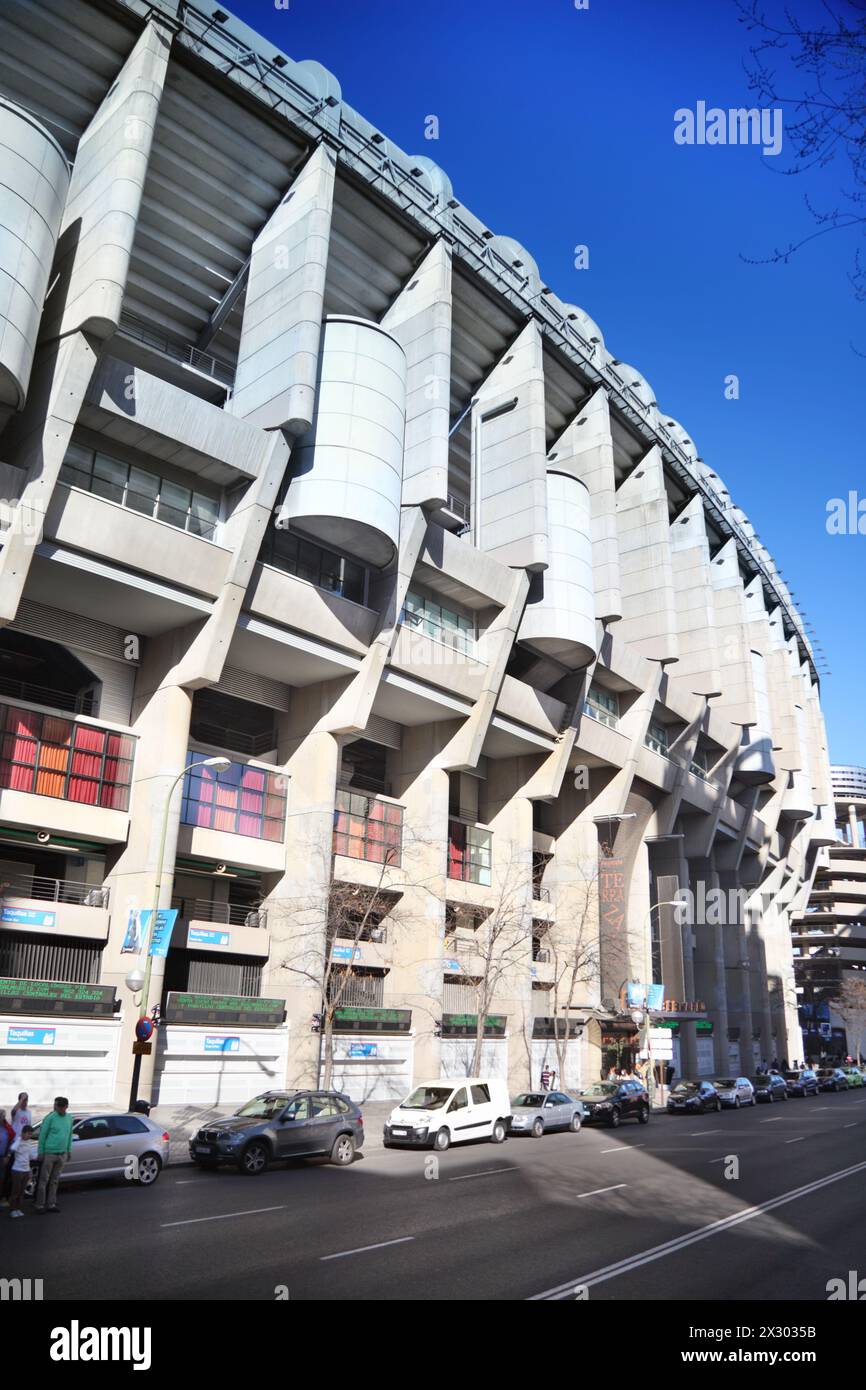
column 141, row 491
column 323, row 1106
column 480, row 1095
column 298, row 1109
column 128, row 1124
column 98, row 1128
column 341, row 1105
column 306, row 560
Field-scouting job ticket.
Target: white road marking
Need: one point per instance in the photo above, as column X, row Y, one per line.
column 226, row 1216
column 623, row 1149
column 596, row 1192
column 715, row 1228
column 796, row 1141
column 851, row 1126
column 696, row 1133
column 362, row 1249
column 486, row 1174
column 775, row 1120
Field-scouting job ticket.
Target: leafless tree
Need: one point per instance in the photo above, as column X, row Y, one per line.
column 850, row 1005
column 815, row 69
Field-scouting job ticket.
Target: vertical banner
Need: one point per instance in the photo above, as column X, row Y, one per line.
column 612, row 913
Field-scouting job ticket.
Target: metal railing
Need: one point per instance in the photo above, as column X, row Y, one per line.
column 236, row 740
column 599, row 713
column 185, row 353
column 539, row 894
column 55, row 890
column 229, row 914
column 82, row 703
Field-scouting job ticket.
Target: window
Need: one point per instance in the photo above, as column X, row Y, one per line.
column 355, row 987
column 602, row 705
column 480, row 1095
column 94, row 1129
column 139, row 490
column 128, row 1124
column 469, row 849
column 700, row 764
column 657, row 738
column 324, row 568
column 298, row 1109
column 64, row 759
column 242, row 800
column 323, row 1107
column 459, row 1102
column 367, row 828
column 442, row 623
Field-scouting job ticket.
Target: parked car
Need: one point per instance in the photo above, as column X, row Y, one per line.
column 770, row 1086
column 451, row 1111
column 534, row 1112
column 611, row 1102
column 693, row 1096
column 279, row 1125
column 112, row 1146
column 735, row 1091
column 854, row 1076
column 801, row 1083
column 832, row 1079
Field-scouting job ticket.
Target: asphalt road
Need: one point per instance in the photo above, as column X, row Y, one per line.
column 646, row 1212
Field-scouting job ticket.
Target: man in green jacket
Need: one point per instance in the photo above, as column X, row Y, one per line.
column 55, row 1146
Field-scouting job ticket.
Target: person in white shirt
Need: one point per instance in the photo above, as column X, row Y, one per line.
column 24, row 1152
column 21, row 1115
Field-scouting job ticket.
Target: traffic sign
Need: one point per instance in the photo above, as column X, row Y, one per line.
column 142, row 1049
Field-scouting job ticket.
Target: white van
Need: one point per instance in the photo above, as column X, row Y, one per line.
column 439, row 1113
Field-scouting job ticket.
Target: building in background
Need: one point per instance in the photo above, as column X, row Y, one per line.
column 830, row 936
column 310, row 470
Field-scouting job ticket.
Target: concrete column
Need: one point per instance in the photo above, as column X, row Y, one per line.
column 585, row 448
column 649, row 606
column 275, row 384
column 161, row 719
column 420, row 320
column 510, row 819
column 695, row 610
column 709, row 962
column 509, row 468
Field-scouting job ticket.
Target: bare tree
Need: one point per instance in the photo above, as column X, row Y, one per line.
column 850, row 1005
column 574, row 948
column 817, row 70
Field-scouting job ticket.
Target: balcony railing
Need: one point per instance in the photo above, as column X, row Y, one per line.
column 75, row 703
column 185, row 353
column 62, row 758
column 656, row 745
column 699, row 771
column 238, row 740
column 54, row 890
column 227, row 914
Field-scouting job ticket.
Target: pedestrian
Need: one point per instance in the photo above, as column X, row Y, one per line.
column 21, row 1115
column 774, row 1065
column 545, row 1079
column 24, row 1151
column 7, row 1136
column 55, row 1147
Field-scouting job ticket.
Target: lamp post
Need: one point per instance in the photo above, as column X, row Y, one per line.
column 132, row 977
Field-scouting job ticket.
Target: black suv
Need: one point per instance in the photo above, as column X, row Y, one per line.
column 801, row 1083
column 609, row 1102
column 770, row 1086
column 692, row 1096
column 280, row 1125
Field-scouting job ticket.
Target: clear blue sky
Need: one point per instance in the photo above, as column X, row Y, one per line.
column 556, row 128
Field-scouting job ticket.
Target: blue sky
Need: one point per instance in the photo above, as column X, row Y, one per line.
column 556, row 128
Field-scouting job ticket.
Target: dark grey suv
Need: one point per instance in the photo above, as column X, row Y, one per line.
column 280, row 1125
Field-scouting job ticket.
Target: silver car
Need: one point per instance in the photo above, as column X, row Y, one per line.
column 534, row 1112
column 735, row 1091
column 112, row 1146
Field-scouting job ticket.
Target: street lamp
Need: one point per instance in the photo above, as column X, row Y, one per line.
column 220, row 764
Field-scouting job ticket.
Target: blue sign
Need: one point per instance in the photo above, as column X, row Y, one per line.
column 28, row 917
column 345, row 953
column 204, row 937
column 363, row 1049
column 161, row 935
column 635, row 995
column 218, row 1043
column 453, row 966
column 30, row 1037
column 655, row 996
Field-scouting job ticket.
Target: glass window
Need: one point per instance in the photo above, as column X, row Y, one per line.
column 367, row 828
column 298, row 1109
column 140, row 490
column 442, row 624
column 127, row 1124
column 97, row 1128
column 480, row 1095
column 459, row 1102
column 323, row 1107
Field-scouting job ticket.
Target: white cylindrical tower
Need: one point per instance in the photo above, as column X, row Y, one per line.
column 559, row 619
column 34, row 179
column 347, row 471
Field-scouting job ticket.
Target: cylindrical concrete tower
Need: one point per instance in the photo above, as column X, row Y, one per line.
column 755, row 763
column 559, row 620
column 347, row 471
column 34, row 178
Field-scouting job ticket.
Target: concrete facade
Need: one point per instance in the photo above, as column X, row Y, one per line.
column 314, row 474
